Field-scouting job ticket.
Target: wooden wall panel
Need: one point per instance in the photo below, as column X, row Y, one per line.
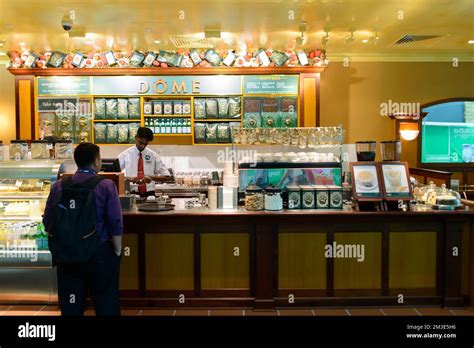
column 352, row 274
column 220, row 267
column 25, row 109
column 169, row 261
column 412, row 260
column 301, row 261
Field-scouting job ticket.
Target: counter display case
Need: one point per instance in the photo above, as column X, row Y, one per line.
column 26, row 267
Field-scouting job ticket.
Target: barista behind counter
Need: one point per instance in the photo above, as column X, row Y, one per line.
column 143, row 167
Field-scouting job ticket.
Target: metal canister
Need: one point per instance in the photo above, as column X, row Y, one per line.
column 335, row 197
column 293, row 197
column 322, row 196
column 307, row 197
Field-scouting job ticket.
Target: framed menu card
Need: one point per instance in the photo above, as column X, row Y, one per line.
column 395, row 181
column 366, row 183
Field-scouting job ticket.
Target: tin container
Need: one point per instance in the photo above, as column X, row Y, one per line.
column 157, row 108
column 293, row 197
column 167, row 108
column 322, row 196
column 335, row 197
column 307, row 197
column 148, row 108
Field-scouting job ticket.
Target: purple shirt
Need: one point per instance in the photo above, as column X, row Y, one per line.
column 109, row 213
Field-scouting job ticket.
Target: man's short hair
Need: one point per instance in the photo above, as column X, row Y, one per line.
column 146, row 133
column 85, row 154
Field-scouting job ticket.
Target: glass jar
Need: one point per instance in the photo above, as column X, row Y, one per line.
column 188, row 179
column 18, row 150
column 254, row 200
column 179, row 178
column 204, row 179
column 273, row 198
column 63, row 149
column 39, row 149
column 196, row 178
column 1, row 151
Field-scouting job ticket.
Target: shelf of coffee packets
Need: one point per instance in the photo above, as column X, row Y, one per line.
column 301, row 137
column 181, row 59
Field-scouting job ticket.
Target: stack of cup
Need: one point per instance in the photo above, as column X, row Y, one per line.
column 231, row 178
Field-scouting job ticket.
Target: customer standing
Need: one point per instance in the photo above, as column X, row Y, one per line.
column 143, row 167
column 84, row 221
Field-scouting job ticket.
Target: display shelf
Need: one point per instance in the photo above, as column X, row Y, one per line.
column 154, row 116
column 238, row 120
column 22, row 197
column 173, row 134
column 114, row 121
column 20, row 218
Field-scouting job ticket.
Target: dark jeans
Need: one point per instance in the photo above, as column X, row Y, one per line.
column 99, row 276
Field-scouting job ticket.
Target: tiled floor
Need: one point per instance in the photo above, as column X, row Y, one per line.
column 51, row 310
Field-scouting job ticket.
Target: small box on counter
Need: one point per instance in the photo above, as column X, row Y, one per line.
column 307, row 197
column 335, row 197
column 322, row 196
column 293, row 193
column 227, row 197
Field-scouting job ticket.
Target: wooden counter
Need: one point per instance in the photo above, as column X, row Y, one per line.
column 203, row 257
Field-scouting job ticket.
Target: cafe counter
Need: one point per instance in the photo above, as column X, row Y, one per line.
column 222, row 258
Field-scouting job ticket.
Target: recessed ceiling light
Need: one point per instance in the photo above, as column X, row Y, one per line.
column 22, row 44
column 157, row 41
column 470, row 42
column 365, row 40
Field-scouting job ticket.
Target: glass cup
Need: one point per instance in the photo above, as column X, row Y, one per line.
column 235, row 132
column 252, row 136
column 270, row 135
column 260, row 135
column 279, row 135
column 243, row 136
column 294, row 136
column 303, row 135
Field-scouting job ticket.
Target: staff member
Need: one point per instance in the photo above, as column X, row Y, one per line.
column 143, row 167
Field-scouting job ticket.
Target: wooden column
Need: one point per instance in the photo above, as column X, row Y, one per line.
column 453, row 265
column 25, row 107
column 264, row 267
column 309, row 100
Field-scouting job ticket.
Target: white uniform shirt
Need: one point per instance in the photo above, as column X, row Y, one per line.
column 152, row 165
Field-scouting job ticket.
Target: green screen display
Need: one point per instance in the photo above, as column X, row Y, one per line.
column 445, row 142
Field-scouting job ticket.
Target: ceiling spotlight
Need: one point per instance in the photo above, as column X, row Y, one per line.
column 351, row 38
column 470, row 42
column 157, row 41
column 365, row 40
column 22, row 44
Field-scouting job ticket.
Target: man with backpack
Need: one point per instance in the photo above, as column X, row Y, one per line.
column 83, row 219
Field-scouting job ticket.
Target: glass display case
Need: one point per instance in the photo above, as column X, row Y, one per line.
column 26, row 267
